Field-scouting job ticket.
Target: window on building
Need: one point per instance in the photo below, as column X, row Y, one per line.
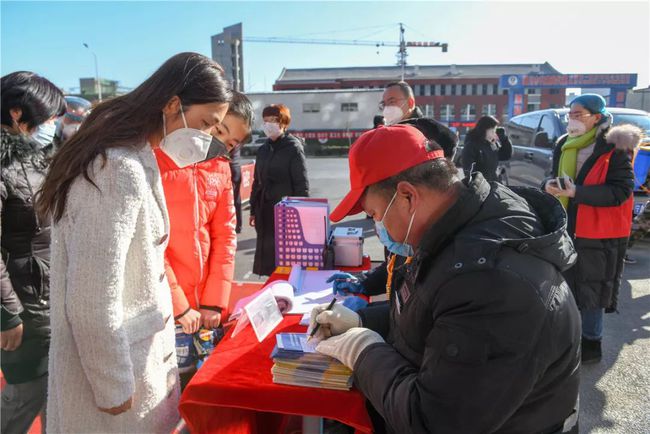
column 485, row 89
column 454, row 89
column 349, row 107
column 495, row 89
column 473, row 90
column 490, row 89
column 489, row 110
column 447, row 112
column 554, row 91
column 468, row 112
column 434, row 89
column 427, row 89
column 427, row 109
column 504, row 91
column 463, row 89
column 442, row 90
column 311, row 107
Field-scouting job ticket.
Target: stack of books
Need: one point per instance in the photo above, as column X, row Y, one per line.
column 296, row 362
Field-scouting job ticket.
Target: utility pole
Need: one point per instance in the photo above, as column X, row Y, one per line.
column 98, row 85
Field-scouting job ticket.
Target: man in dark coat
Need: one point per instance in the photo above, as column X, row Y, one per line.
column 483, row 335
column 280, row 170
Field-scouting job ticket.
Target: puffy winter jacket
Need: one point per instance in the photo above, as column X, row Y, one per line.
column 487, row 338
column 200, row 257
column 25, row 242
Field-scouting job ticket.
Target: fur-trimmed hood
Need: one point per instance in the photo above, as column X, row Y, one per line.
column 624, row 137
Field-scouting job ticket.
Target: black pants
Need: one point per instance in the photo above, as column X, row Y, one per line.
column 235, row 170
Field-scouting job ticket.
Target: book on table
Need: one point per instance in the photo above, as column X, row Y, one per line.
column 296, row 363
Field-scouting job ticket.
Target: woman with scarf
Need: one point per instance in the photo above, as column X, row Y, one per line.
column 593, row 178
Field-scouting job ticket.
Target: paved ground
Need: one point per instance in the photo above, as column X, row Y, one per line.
column 615, row 394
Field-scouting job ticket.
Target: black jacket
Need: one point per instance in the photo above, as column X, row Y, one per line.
column 280, row 170
column 435, row 131
column 596, row 277
column 25, row 242
column 480, row 152
column 487, row 338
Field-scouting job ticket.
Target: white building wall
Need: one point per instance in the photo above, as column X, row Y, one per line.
column 330, row 116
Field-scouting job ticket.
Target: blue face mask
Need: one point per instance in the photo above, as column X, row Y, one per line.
column 401, row 249
column 44, row 134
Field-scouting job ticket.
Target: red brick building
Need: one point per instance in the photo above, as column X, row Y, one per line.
column 455, row 94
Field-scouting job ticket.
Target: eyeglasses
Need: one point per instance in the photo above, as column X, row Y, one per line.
column 578, row 115
column 382, row 105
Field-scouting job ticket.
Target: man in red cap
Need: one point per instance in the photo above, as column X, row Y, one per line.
column 481, row 333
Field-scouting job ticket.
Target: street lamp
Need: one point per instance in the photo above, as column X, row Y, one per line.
column 98, row 85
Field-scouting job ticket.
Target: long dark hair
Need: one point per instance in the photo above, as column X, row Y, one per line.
column 483, row 124
column 126, row 121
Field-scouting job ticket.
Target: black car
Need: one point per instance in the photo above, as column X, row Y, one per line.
column 534, row 135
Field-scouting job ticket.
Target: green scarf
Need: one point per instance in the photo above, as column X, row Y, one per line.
column 569, row 157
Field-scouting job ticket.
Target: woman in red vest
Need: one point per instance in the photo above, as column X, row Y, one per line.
column 593, row 178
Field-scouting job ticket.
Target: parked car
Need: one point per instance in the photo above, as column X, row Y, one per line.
column 252, row 147
column 534, row 135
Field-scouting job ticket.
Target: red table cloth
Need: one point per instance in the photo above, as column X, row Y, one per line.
column 233, row 392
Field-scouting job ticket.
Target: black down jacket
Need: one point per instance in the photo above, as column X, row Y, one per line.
column 487, row 338
column 25, row 245
column 280, row 170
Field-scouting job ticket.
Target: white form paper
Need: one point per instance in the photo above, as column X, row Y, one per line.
column 311, row 288
column 264, row 314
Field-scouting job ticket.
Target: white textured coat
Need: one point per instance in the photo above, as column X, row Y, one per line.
column 112, row 325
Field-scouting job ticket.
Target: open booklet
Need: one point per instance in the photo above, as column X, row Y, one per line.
column 304, row 290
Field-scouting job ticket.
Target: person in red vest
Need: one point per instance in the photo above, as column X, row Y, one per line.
column 593, row 178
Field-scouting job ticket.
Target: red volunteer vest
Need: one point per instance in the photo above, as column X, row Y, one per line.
column 599, row 222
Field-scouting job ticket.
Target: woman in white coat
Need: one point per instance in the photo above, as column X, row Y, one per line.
column 112, row 354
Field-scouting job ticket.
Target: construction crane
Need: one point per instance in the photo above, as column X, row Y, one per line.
column 401, row 52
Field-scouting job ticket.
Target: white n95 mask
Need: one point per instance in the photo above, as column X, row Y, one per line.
column 392, row 114
column 186, row 146
column 272, row 130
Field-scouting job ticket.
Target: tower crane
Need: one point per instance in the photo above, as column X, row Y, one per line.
column 401, row 52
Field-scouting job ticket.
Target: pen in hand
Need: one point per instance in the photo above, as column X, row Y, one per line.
column 329, row 307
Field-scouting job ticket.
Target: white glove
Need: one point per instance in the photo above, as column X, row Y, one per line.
column 348, row 346
column 332, row 322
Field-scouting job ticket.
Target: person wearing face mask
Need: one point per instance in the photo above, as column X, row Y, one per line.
column 374, row 282
column 200, row 256
column 30, row 103
column 485, row 145
column 593, row 177
column 280, row 170
column 483, row 333
column 398, row 107
column 112, row 361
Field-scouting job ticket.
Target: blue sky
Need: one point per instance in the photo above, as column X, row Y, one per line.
column 132, row 39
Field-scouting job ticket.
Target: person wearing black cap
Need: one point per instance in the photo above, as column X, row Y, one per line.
column 483, row 334
column 593, row 177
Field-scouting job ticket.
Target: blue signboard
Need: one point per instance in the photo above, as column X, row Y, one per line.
column 617, row 83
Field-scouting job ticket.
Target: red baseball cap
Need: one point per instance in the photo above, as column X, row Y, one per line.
column 380, row 154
